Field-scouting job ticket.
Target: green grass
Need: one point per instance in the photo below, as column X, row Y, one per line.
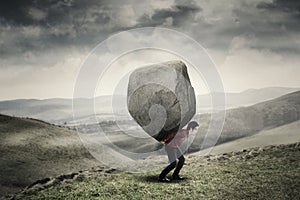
column 270, row 173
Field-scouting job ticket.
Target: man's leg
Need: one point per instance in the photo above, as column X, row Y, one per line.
column 172, row 160
column 180, row 163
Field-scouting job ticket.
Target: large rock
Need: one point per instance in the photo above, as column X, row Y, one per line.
column 161, row 98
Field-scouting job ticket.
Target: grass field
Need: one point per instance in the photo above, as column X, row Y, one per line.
column 271, row 172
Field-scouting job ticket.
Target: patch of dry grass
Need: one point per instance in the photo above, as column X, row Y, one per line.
column 271, row 172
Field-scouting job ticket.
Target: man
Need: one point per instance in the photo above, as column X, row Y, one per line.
column 173, row 144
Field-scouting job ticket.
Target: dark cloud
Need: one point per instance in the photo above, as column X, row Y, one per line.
column 39, row 26
column 178, row 14
column 45, row 13
column 18, row 12
column 289, row 6
column 52, row 15
column 31, row 28
column 272, row 27
column 15, row 12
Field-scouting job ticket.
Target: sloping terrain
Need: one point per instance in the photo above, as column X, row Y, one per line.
column 239, row 123
column 246, row 121
column 248, row 97
column 271, row 172
column 32, row 149
column 285, row 134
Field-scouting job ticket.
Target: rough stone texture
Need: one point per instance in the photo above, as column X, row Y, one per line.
column 161, row 98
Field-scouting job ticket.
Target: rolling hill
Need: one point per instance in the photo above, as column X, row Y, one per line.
column 239, row 122
column 285, row 134
column 31, row 150
column 248, row 97
column 55, row 110
column 245, row 121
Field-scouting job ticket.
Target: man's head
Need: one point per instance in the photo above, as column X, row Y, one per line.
column 192, row 125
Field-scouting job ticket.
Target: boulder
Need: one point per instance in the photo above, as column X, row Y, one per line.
column 160, row 98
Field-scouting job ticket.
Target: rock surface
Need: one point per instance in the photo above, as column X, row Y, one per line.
column 161, row 98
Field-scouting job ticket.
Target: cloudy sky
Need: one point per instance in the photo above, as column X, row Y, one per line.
column 254, row 43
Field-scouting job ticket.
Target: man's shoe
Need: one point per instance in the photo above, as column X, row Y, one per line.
column 165, row 180
column 178, row 178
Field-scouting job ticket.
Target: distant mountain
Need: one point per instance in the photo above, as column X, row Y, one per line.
column 58, row 111
column 49, row 110
column 32, row 150
column 245, row 98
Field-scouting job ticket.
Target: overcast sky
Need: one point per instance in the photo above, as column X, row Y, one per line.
column 254, row 43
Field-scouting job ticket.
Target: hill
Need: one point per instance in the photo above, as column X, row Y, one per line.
column 246, row 98
column 32, row 149
column 285, row 134
column 54, row 110
column 239, row 123
column 271, row 172
column 246, row 121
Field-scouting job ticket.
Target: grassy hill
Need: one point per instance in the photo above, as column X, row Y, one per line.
column 272, row 172
column 285, row 134
column 246, row 121
column 31, row 150
column 239, row 123
column 246, row 98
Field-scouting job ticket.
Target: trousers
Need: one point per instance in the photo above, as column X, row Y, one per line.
column 173, row 154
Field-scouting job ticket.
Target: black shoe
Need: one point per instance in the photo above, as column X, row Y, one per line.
column 177, row 177
column 165, row 180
